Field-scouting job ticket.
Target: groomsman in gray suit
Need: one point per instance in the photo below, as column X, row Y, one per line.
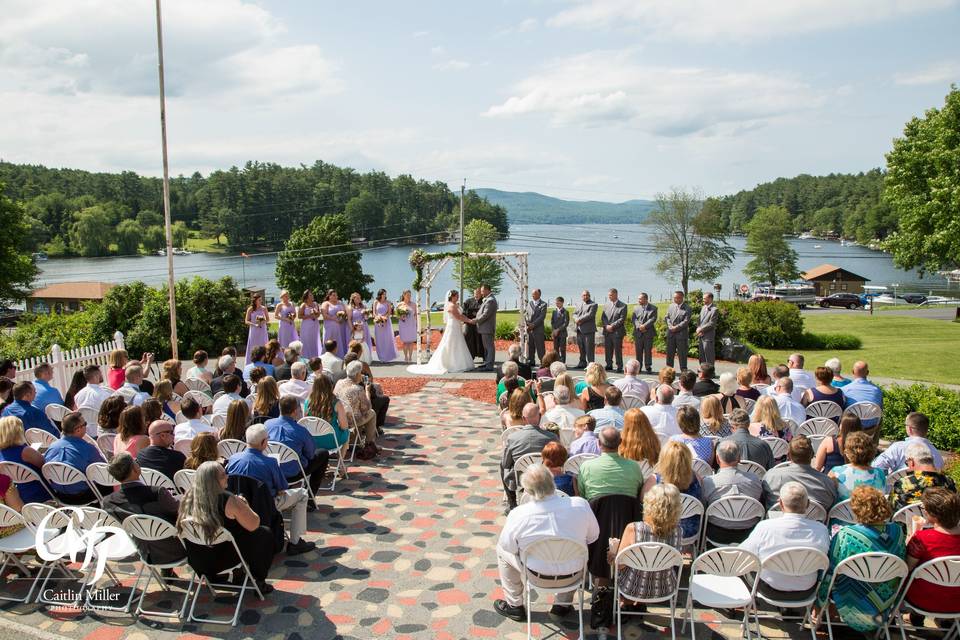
column 707, row 330
column 614, row 319
column 535, row 315
column 585, row 317
column 678, row 330
column 559, row 321
column 644, row 321
column 486, row 322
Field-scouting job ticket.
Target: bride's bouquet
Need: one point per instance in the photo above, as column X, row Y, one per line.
column 341, row 316
column 380, row 320
column 402, row 310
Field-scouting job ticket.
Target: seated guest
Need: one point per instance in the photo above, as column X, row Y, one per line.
column 509, row 382
column 132, row 434
column 284, row 371
column 666, row 376
column 6, row 392
column 297, row 347
column 14, row 448
column 238, row 419
column 46, row 392
column 562, row 379
column 297, row 385
column 119, row 360
column 163, row 393
column 609, row 474
column 546, row 515
column 513, row 416
column 595, row 387
column 152, row 410
column 211, row 506
column 712, row 421
column 545, row 371
column 73, row 450
column 751, row 447
column 267, row 403
column 861, row 389
column 160, row 455
column 10, row 497
column 554, row 457
column 790, row 409
column 823, row 390
column 195, row 424
column 199, row 369
column 252, row 462
column 861, row 604
column 227, row 366
column 744, row 385
column 782, row 372
column 687, row 380
column 676, row 468
column 584, row 436
column 727, row 481
column 895, row 456
column 790, row 530
column 819, row 487
column 323, row 404
column 131, row 388
column 77, row 382
column 705, row 385
column 257, row 359
column 661, row 523
column 351, row 391
column 203, row 448
column 315, row 366
column 758, row 369
column 859, row 450
column 21, row 407
column 274, row 354
column 727, row 394
column 689, row 422
column 941, row 509
column 230, row 385
column 108, row 420
column 530, row 438
column 8, row 369
column 767, row 421
column 331, row 362
column 630, row 384
column 663, row 415
column 565, row 411
column 379, row 401
column 172, row 372
column 547, row 383
column 285, row 430
column 95, row 392
column 923, row 475
column 226, row 351
column 838, row 380
column 802, row 380
column 830, row 451
column 611, row 413
column 638, row 440
column 524, row 370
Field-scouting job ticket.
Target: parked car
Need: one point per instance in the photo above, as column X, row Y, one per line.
column 847, row 300
column 914, row 298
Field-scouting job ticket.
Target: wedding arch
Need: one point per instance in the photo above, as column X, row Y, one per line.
column 428, row 266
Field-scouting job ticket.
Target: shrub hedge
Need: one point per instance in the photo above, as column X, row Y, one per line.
column 829, row 341
column 941, row 405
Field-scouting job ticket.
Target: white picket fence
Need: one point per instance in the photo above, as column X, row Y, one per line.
column 64, row 363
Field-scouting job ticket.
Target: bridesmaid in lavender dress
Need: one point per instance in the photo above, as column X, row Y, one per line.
column 256, row 319
column 309, row 326
column 407, row 325
column 286, row 314
column 335, row 327
column 386, row 345
column 359, row 313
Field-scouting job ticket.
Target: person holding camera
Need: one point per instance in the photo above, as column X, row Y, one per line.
column 352, row 392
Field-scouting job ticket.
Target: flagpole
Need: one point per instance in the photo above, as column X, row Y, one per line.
column 171, row 284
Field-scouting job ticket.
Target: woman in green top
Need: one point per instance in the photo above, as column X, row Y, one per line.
column 323, row 404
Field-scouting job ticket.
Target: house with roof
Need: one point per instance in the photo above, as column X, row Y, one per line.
column 65, row 297
column 827, row 279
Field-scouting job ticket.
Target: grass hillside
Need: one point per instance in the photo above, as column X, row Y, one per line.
column 536, row 208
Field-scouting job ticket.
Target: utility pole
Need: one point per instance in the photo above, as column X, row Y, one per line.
column 166, row 194
column 463, row 188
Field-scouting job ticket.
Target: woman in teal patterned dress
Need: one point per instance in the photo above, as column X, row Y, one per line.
column 861, row 604
column 323, row 404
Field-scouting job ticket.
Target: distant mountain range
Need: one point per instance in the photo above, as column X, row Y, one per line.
column 536, row 208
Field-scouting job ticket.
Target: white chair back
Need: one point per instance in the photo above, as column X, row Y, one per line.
column 690, row 507
column 842, row 513
column 97, row 474
column 866, row 410
column 701, row 468
column 633, row 401
column 58, row 473
column 762, row 388
column 105, row 444
column 749, row 404
column 778, row 446
column 56, row 412
column 566, row 436
column 872, row 567
column 523, row 463
column 153, row 478
column 39, row 437
column 204, row 400
column 893, row 476
column 904, row 515
column 815, row 511
column 555, row 551
column 734, row 508
column 941, row 572
column 148, row 529
column 506, row 432
column 227, row 448
column 183, row 479
column 817, row 426
column 196, row 384
column 92, row 417
column 649, row 557
column 183, row 445
column 749, row 466
column 572, row 465
column 21, row 474
column 218, row 421
column 727, row 562
column 790, row 426
column 824, row 409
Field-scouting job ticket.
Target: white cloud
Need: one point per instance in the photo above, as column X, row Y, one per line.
column 452, row 65
column 708, row 20
column 420, row 34
column 610, row 88
column 525, row 26
column 938, row 73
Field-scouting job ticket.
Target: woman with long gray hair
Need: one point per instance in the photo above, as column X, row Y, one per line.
column 211, row 506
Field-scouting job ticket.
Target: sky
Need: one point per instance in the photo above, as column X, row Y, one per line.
column 579, row 99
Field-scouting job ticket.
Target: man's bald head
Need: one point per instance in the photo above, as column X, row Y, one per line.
column 665, row 394
column 860, row 369
column 161, row 433
column 531, row 414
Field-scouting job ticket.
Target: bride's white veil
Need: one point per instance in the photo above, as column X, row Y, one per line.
column 450, row 294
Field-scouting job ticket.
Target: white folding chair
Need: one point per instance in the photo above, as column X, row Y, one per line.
column 523, row 463
column 893, row 476
column 718, row 581
column 318, row 427
column 648, row 557
column 905, row 514
column 815, row 511
column 218, row 395
column 153, row 478
column 56, row 412
column 284, row 454
column 180, row 418
column 872, row 567
column 59, row 544
column 105, row 445
column 866, row 410
column 12, row 547
column 778, row 446
column 92, row 417
column 701, row 468
column 184, row 479
column 506, row 432
column 941, row 572
column 218, row 421
column 795, row 562
column 58, row 473
column 733, row 508
column 760, row 387
column 817, row 426
column 198, row 385
column 194, row 534
column 183, row 445
column 690, row 507
column 228, row 447
column 749, row 404
column 749, row 466
column 21, row 474
column 790, row 426
column 824, row 409
column 554, row 556
column 842, row 513
column 632, row 401
column 147, row 529
column 524, row 498
column 359, row 439
column 39, row 438
column 203, row 399
column 572, row 465
column 97, row 474
column 567, row 436
column 113, row 546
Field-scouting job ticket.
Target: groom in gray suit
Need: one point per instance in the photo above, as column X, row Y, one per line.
column 585, row 318
column 613, row 319
column 486, row 322
column 644, row 322
column 707, row 330
column 534, row 317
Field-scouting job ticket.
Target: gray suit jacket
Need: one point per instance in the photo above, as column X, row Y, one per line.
column 708, row 321
column 487, row 316
column 645, row 316
column 536, row 314
column 529, row 439
column 614, row 314
column 819, row 486
column 587, row 312
column 678, row 315
column 559, row 320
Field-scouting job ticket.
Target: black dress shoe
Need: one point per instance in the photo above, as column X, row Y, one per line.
column 303, row 546
column 560, row 611
column 649, row 371
column 518, row 613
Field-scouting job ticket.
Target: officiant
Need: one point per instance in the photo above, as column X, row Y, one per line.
column 470, row 308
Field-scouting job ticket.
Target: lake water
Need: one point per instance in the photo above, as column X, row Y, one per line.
column 564, row 259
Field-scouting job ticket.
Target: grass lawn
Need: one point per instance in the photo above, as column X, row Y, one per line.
column 894, row 346
column 208, row 245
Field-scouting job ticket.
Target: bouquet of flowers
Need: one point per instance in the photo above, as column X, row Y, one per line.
column 341, row 316
column 290, row 315
column 402, row 310
column 380, row 320
column 260, row 320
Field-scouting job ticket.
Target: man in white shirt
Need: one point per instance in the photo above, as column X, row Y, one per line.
column 663, row 415
column 792, row 529
column 194, row 425
column 611, row 413
column 231, row 392
column 789, row 407
column 92, row 395
column 630, row 384
column 687, row 379
column 777, row 372
column 895, row 456
column 563, row 413
column 130, row 390
column 546, row 515
column 331, row 362
column 297, row 385
column 802, row 380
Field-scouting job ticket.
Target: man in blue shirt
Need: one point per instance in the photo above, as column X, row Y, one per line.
column 285, row 430
column 46, row 392
column 254, row 463
column 862, row 390
column 611, row 413
column 256, row 359
column 73, row 450
column 895, row 456
column 21, row 407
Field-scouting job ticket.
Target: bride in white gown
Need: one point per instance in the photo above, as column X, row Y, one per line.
column 452, row 354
